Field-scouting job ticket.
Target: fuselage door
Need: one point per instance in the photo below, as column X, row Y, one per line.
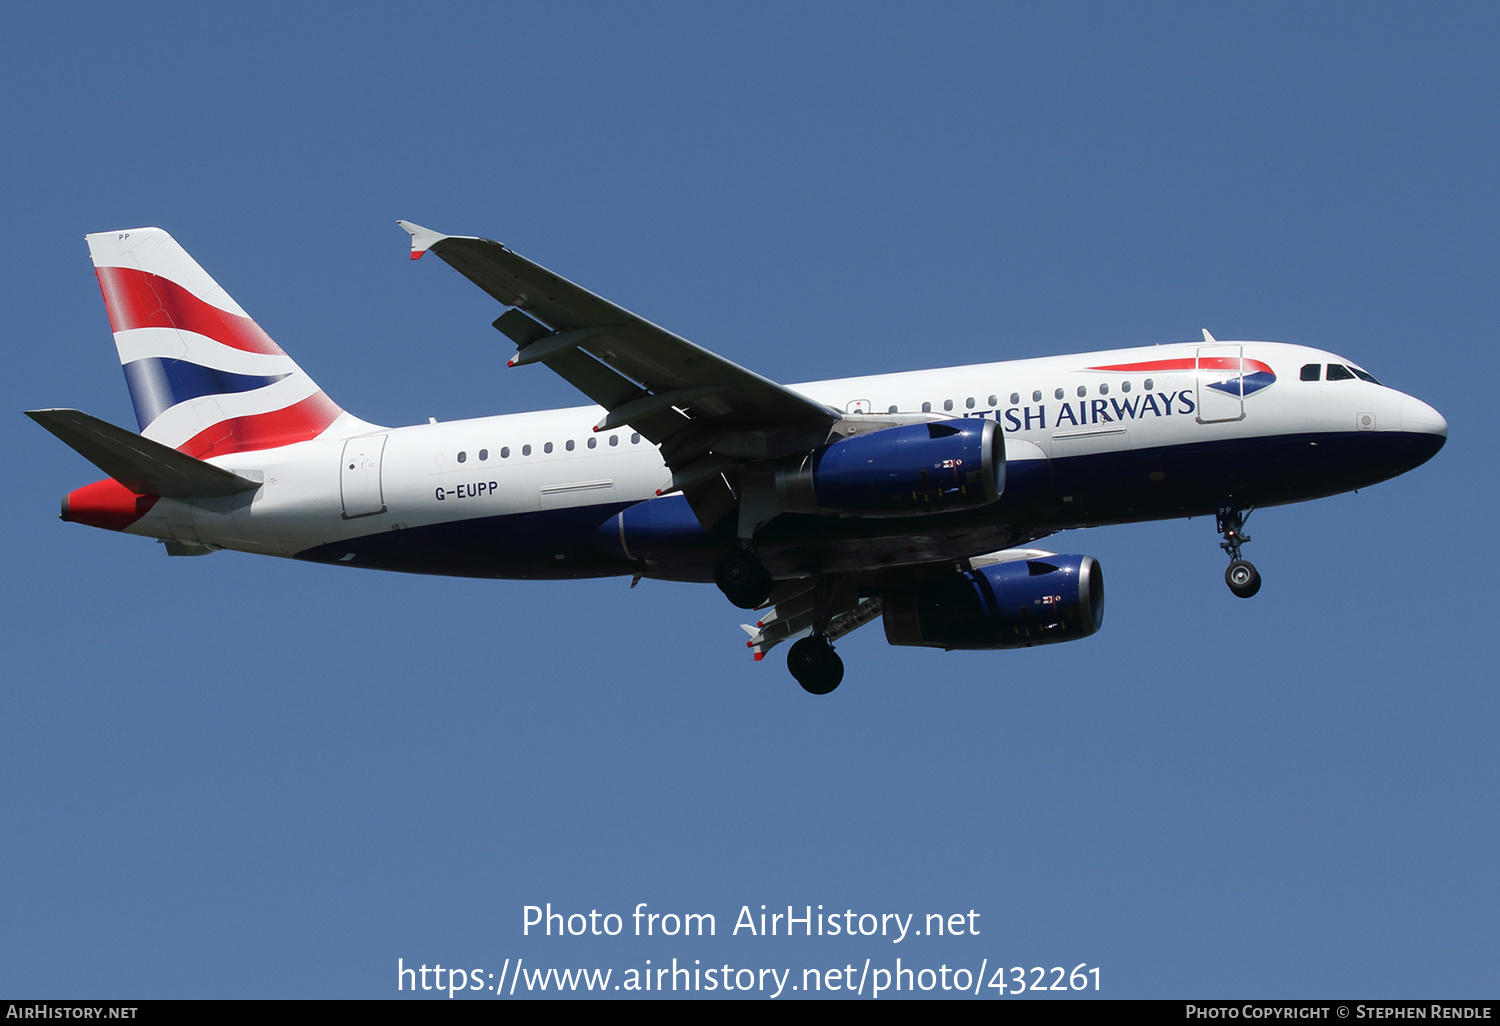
column 359, row 476
column 1221, row 383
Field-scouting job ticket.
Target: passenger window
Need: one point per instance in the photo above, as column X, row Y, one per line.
column 1104, row 388
column 505, row 452
column 891, row 410
column 484, row 454
column 1057, row 393
column 1015, row 398
column 547, row 447
column 614, row 439
column 635, row 438
column 926, row 407
column 1125, row 386
column 994, row 400
column 526, row 449
column 1148, row 384
column 1036, row 396
column 568, row 445
column 1338, row 372
column 969, row 403
column 593, row 442
column 462, row 456
column 1083, row 390
column 1312, row 372
column 947, row 404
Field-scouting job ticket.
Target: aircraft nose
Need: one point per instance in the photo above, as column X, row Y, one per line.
column 1418, row 417
column 1423, row 432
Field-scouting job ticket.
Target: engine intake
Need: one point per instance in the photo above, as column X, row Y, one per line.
column 899, row 471
column 1004, row 605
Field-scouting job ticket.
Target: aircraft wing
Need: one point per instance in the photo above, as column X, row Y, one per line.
column 705, row 412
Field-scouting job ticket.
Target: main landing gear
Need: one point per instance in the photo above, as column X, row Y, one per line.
column 812, row 660
column 815, row 664
column 742, row 579
column 746, row 582
column 1242, row 577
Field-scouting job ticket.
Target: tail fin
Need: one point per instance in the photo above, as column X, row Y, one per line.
column 204, row 378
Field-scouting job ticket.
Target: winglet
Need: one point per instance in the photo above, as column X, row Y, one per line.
column 1206, row 336
column 422, row 239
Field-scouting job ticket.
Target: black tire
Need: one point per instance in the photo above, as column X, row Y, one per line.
column 743, row 580
column 816, row 665
column 1242, row 577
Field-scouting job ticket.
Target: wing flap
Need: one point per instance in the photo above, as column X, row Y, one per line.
column 779, row 625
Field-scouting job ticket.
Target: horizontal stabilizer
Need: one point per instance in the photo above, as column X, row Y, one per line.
column 138, row 463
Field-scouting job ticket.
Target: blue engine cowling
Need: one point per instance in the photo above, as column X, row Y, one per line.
column 899, row 471
column 1003, row 605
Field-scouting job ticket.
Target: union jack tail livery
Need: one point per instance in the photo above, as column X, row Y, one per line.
column 204, row 378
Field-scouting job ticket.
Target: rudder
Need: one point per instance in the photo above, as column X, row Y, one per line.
column 203, row 377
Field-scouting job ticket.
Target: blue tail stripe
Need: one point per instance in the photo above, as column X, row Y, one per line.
column 158, row 384
column 1254, row 382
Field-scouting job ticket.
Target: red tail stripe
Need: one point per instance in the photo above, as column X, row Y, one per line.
column 296, row 423
column 1207, row 363
column 138, row 299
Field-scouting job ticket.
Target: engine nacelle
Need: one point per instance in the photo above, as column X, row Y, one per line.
column 1004, row 605
column 899, row 471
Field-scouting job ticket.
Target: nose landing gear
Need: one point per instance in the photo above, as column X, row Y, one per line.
column 1241, row 576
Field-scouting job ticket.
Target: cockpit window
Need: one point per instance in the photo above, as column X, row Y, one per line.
column 1364, row 375
column 1312, row 372
column 1338, row 372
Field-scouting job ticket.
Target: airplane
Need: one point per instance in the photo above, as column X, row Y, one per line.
column 915, row 498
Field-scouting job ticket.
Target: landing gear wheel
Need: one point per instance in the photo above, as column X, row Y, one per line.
column 743, row 580
column 816, row 665
column 1242, row 577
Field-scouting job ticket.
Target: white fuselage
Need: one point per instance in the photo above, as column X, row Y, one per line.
column 370, row 479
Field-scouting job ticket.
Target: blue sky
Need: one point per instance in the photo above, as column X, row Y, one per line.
column 236, row 776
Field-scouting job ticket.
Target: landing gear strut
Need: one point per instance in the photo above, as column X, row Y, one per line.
column 1242, row 577
column 742, row 579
